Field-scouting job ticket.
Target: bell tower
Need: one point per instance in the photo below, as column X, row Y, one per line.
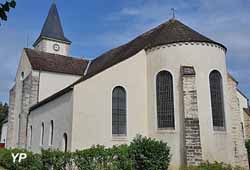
column 52, row 39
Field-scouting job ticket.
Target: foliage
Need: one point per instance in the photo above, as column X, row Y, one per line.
column 32, row 163
column 212, row 166
column 99, row 157
column 247, row 144
column 3, row 114
column 56, row 159
column 4, row 8
column 149, row 154
column 143, row 152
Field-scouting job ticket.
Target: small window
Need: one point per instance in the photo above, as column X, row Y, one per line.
column 242, row 129
column 30, row 136
column 119, row 111
column 217, row 102
column 65, row 142
column 42, row 135
column 165, row 100
column 51, row 132
column 22, row 76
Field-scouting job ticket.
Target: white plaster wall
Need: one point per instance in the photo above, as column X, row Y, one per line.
column 215, row 145
column 58, row 110
column 51, row 83
column 92, row 119
column 47, row 46
column 4, row 133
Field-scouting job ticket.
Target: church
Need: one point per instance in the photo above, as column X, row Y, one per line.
column 170, row 83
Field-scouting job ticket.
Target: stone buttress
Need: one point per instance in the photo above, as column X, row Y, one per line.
column 192, row 139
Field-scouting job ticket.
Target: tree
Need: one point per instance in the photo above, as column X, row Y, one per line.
column 3, row 113
column 5, row 8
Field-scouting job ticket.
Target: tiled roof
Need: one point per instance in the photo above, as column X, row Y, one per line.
column 56, row 63
column 172, row 31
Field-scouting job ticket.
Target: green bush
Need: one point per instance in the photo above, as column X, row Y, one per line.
column 212, row 166
column 142, row 153
column 247, row 144
column 99, row 157
column 33, row 161
column 149, row 154
column 55, row 159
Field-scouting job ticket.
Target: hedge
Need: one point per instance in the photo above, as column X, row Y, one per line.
column 247, row 144
column 142, row 153
column 212, row 166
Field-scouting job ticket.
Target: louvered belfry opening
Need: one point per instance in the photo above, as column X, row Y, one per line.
column 165, row 100
column 217, row 101
column 119, row 111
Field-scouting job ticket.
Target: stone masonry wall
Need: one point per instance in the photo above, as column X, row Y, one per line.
column 247, row 125
column 240, row 154
column 192, row 140
column 29, row 98
column 10, row 141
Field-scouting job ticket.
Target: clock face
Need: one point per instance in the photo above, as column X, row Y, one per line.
column 56, row 47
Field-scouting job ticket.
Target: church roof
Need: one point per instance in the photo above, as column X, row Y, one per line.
column 172, row 31
column 56, row 63
column 52, row 28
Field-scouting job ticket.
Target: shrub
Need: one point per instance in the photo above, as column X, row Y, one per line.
column 149, row 154
column 33, row 161
column 142, row 153
column 212, row 166
column 55, row 159
column 121, row 157
column 99, row 157
column 92, row 159
column 247, row 144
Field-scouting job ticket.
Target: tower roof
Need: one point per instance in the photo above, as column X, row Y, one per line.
column 52, row 28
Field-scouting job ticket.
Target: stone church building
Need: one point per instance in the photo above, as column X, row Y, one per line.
column 170, row 83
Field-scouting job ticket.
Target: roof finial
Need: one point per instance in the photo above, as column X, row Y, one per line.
column 173, row 10
column 53, row 1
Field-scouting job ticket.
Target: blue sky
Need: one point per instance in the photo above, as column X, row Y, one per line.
column 98, row 25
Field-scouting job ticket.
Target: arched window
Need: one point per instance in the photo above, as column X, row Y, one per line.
column 217, row 103
column 51, row 133
column 165, row 100
column 119, row 111
column 65, row 142
column 42, row 135
column 30, row 136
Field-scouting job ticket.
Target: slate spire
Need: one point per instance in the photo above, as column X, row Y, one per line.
column 52, row 28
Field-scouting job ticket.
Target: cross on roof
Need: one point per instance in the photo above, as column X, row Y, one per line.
column 173, row 10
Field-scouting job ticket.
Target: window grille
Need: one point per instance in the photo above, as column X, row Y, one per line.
column 119, row 112
column 217, row 103
column 165, row 100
